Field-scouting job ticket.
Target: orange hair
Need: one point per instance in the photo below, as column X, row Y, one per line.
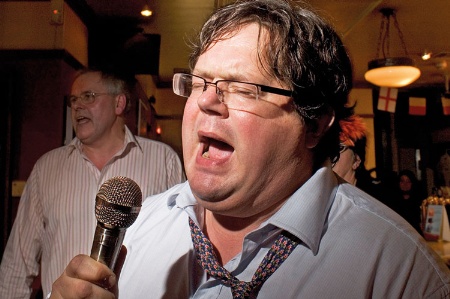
column 353, row 128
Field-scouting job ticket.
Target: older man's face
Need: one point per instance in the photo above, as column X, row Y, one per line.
column 93, row 122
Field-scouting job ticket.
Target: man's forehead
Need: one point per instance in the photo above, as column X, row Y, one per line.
column 87, row 80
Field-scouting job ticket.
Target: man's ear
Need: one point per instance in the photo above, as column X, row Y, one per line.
column 121, row 104
column 356, row 162
column 318, row 128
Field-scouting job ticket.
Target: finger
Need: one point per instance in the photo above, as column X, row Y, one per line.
column 84, row 278
column 67, row 287
column 86, row 268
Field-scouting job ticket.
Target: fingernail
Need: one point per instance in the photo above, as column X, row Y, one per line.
column 109, row 281
column 112, row 280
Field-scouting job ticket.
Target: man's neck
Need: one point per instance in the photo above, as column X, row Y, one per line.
column 101, row 151
column 227, row 233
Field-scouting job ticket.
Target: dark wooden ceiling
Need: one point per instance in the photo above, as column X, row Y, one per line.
column 424, row 25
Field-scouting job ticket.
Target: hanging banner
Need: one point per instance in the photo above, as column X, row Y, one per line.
column 417, row 106
column 445, row 106
column 387, row 99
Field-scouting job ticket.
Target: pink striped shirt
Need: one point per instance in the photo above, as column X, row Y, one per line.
column 56, row 220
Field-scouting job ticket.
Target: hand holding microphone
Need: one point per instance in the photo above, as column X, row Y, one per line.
column 117, row 206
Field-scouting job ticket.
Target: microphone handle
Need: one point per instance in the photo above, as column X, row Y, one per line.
column 106, row 244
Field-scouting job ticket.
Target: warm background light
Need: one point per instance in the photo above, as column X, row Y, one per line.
column 146, row 12
column 426, row 55
column 391, row 71
column 392, row 76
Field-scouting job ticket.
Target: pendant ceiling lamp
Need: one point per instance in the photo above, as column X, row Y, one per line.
column 146, row 11
column 391, row 71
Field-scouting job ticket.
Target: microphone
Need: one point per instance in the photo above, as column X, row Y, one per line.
column 117, row 206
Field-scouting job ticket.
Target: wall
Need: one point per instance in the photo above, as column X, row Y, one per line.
column 37, row 60
column 169, row 112
column 28, row 25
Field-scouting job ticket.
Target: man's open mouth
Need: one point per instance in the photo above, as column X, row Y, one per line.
column 215, row 149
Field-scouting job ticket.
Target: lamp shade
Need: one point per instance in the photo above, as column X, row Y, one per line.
column 392, row 72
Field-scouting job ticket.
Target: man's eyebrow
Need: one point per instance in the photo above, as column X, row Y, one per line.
column 208, row 76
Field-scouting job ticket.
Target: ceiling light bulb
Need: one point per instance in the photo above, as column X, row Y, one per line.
column 426, row 55
column 146, row 12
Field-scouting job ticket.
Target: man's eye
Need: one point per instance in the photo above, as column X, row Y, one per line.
column 87, row 96
column 197, row 86
column 242, row 90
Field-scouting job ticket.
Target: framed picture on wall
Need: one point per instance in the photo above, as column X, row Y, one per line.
column 146, row 120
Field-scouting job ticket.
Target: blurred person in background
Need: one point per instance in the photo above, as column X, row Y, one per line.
column 407, row 199
column 350, row 164
column 353, row 131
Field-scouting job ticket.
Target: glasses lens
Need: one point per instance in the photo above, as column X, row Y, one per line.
column 71, row 100
column 342, row 148
column 239, row 91
column 182, row 85
column 87, row 97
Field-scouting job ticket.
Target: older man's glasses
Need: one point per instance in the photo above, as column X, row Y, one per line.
column 85, row 98
column 228, row 91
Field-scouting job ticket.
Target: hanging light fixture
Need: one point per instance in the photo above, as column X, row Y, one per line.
column 146, row 11
column 426, row 55
column 391, row 71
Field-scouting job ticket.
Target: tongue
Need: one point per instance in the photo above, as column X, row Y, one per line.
column 219, row 150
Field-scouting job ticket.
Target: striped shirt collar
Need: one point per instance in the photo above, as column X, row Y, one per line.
column 130, row 140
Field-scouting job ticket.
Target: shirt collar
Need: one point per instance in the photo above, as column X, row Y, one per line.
column 129, row 141
column 183, row 198
column 304, row 214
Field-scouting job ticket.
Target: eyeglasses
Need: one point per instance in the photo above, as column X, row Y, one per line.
column 228, row 91
column 343, row 148
column 86, row 98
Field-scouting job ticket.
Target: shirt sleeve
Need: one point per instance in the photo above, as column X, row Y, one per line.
column 21, row 258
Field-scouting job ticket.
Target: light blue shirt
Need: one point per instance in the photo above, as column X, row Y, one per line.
column 352, row 246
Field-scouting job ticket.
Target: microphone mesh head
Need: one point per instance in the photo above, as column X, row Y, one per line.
column 118, row 202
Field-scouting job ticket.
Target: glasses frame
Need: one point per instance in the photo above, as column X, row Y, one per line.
column 259, row 87
column 343, row 148
column 72, row 99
